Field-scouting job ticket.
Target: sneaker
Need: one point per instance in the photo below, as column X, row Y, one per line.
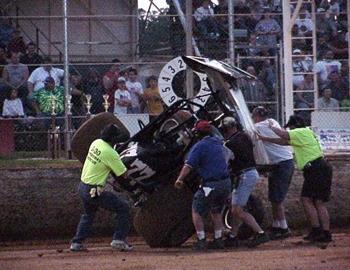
column 325, row 237
column 216, row 244
column 231, row 242
column 77, row 247
column 285, row 233
column 313, row 235
column 259, row 239
column 121, row 245
column 275, row 233
column 200, row 245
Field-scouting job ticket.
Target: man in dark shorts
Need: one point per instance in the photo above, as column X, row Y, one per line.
column 207, row 157
column 279, row 179
column 317, row 174
column 244, row 168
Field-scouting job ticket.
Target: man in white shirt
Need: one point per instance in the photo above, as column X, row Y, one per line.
column 38, row 76
column 325, row 67
column 300, row 64
column 204, row 16
column 122, row 98
column 136, row 91
column 281, row 174
column 326, row 102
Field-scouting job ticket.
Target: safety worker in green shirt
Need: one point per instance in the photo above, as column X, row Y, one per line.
column 100, row 161
column 317, row 174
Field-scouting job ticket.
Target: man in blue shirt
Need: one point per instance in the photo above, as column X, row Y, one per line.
column 207, row 157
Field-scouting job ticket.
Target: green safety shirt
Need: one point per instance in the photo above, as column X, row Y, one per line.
column 100, row 160
column 305, row 145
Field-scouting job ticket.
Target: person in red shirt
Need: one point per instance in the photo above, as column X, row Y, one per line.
column 110, row 82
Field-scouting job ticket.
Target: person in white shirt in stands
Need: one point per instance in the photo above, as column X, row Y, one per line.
column 136, row 91
column 281, row 174
column 326, row 102
column 38, row 76
column 300, row 64
column 13, row 106
column 204, row 16
column 122, row 98
column 325, row 67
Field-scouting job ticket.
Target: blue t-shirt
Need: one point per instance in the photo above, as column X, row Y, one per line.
column 208, row 158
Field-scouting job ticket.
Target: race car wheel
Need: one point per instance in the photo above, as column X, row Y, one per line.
column 164, row 220
column 255, row 208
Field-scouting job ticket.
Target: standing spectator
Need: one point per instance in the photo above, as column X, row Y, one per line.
column 268, row 31
column 244, row 168
column 280, row 176
column 304, row 24
column 253, row 90
column 152, row 97
column 324, row 67
column 110, row 82
column 317, row 174
column 122, row 97
column 136, row 91
column 207, row 157
column 340, row 88
column 94, row 87
column 16, row 43
column 31, row 58
column 46, row 97
column 100, row 161
column 13, row 106
column 37, row 78
column 326, row 102
column 206, row 23
column 15, row 75
column 301, row 64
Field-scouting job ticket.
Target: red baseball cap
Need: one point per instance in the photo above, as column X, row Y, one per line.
column 202, row 126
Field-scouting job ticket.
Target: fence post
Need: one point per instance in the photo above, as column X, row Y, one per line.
column 66, row 82
column 231, row 27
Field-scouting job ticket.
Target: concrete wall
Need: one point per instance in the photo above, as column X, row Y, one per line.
column 44, row 203
column 119, row 34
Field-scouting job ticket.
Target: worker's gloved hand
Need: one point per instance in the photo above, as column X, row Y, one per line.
column 179, row 184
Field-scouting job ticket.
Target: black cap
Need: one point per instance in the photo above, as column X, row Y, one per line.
column 295, row 121
column 49, row 80
column 113, row 134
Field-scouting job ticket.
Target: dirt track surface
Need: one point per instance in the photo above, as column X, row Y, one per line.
column 288, row 254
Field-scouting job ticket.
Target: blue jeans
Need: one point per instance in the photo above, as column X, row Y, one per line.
column 247, row 182
column 108, row 201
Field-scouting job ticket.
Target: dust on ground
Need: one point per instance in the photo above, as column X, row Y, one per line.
column 292, row 253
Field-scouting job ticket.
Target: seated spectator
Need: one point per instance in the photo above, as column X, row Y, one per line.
column 13, row 106
column 122, row 97
column 206, row 23
column 326, row 102
column 324, row 67
column 254, row 17
column 253, row 90
column 15, row 75
column 37, row 78
column 340, row 89
column 110, row 82
column 339, row 46
column 325, row 26
column 322, row 46
column 305, row 100
column 304, row 24
column 93, row 86
column 152, row 97
column 268, row 31
column 136, row 91
column 301, row 64
column 298, row 43
column 253, row 49
column 31, row 58
column 48, row 97
column 16, row 43
column 6, row 30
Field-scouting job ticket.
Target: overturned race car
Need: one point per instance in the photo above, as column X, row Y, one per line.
column 156, row 153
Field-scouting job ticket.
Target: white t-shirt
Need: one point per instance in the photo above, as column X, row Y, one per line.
column 134, row 88
column 202, row 13
column 121, row 95
column 39, row 75
column 307, row 23
column 12, row 107
column 301, row 66
column 275, row 152
column 325, row 68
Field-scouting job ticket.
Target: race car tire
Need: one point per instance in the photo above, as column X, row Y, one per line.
column 255, row 208
column 165, row 218
column 90, row 130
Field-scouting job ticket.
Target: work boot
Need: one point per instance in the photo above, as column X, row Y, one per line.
column 121, row 245
column 77, row 247
column 231, row 241
column 275, row 233
column 216, row 244
column 325, row 237
column 259, row 239
column 285, row 233
column 200, row 245
column 313, row 235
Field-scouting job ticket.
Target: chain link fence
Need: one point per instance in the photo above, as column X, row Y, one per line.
column 111, row 40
